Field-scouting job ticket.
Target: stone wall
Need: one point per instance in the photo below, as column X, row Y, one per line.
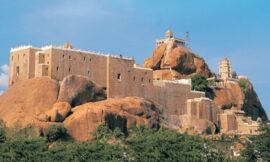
column 202, row 108
column 22, row 64
column 172, row 96
column 227, row 122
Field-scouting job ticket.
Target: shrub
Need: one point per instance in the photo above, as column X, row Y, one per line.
column 56, row 132
column 2, row 135
column 199, row 82
column 102, row 133
column 244, row 84
column 258, row 147
column 2, row 131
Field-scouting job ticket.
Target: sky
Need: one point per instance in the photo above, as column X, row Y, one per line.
column 239, row 30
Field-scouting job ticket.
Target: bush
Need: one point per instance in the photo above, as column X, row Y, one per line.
column 56, row 132
column 199, row 82
column 2, row 135
column 258, row 147
column 244, row 84
column 165, row 145
column 2, row 131
column 229, row 106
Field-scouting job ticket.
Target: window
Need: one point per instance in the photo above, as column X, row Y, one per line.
column 84, row 58
column 69, row 70
column 90, row 60
column 149, row 80
column 134, row 78
column 63, row 56
column 142, row 79
column 12, row 58
column 88, row 72
column 69, row 57
column 119, row 77
column 57, row 68
column 17, row 70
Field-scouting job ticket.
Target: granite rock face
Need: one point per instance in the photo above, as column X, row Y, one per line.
column 26, row 99
column 179, row 59
column 77, row 90
column 124, row 113
column 232, row 96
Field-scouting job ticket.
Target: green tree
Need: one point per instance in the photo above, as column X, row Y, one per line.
column 2, row 131
column 244, row 84
column 165, row 145
column 258, row 147
column 199, row 82
column 2, row 135
column 55, row 132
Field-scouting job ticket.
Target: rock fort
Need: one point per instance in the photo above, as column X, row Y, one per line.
column 163, row 80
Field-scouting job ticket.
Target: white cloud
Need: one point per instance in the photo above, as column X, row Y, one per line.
column 4, row 76
column 5, row 68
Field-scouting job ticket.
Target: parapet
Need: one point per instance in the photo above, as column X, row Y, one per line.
column 19, row 48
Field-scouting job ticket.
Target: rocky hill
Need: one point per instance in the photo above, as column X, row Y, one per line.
column 170, row 61
column 241, row 98
column 179, row 59
column 41, row 102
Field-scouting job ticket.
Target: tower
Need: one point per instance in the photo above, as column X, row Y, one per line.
column 225, row 69
column 169, row 34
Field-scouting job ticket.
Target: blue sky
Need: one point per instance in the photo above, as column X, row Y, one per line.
column 238, row 30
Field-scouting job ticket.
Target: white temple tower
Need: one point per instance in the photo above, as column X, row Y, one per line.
column 225, row 69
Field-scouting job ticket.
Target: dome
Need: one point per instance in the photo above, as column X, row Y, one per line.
column 169, row 34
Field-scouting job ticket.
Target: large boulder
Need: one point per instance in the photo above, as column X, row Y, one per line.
column 26, row 99
column 58, row 113
column 179, row 59
column 123, row 113
column 77, row 90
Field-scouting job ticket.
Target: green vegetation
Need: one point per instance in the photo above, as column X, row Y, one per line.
column 258, row 147
column 2, row 135
column 229, row 106
column 141, row 144
column 56, row 132
column 244, row 84
column 200, row 83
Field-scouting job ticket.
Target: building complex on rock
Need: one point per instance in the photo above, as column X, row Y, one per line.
column 119, row 75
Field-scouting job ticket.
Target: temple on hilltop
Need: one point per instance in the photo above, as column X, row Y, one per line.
column 170, row 38
column 225, row 69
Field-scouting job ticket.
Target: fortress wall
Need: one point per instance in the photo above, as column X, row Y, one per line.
column 22, row 64
column 32, row 58
column 142, row 83
column 227, row 122
column 171, row 96
column 195, row 94
column 202, row 108
column 66, row 62
column 126, row 80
